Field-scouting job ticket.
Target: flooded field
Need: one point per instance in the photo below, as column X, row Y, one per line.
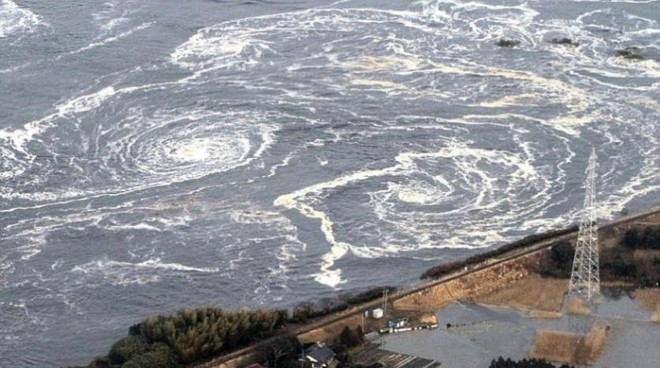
column 471, row 335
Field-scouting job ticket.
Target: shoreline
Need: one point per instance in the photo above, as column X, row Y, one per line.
column 351, row 317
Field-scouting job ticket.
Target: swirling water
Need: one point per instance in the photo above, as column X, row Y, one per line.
column 161, row 154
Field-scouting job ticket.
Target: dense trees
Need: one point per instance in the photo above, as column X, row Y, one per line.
column 282, row 353
column 190, row 335
column 305, row 311
column 127, row 348
column 648, row 238
column 351, row 338
column 198, row 334
column 624, row 262
column 629, row 261
column 524, row 363
column 348, row 339
column 559, row 261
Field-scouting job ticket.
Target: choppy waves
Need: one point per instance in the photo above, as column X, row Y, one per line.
column 459, row 190
column 17, row 21
column 269, row 158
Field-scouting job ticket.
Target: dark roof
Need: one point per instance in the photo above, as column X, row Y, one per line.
column 321, row 354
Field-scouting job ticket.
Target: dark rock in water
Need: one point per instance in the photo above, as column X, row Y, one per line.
column 507, row 43
column 631, row 53
column 564, row 41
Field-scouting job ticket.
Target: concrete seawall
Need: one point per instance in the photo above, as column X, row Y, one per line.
column 476, row 278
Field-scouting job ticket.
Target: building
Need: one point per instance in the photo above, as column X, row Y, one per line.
column 397, row 323
column 319, row 356
column 377, row 313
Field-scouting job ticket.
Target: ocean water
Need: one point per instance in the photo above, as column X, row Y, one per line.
column 162, row 154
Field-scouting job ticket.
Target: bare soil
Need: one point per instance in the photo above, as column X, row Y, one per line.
column 649, row 299
column 556, row 346
column 566, row 347
column 541, row 297
column 470, row 286
column 594, row 344
column 429, row 318
column 578, row 306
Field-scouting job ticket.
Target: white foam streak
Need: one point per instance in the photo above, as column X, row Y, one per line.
column 16, row 20
column 108, row 40
column 127, row 273
column 305, row 199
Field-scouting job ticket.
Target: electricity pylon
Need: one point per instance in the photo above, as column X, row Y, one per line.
column 585, row 275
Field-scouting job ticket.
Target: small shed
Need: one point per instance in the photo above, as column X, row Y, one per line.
column 377, row 313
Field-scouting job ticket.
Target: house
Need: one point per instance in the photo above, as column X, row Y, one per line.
column 319, row 356
column 377, row 313
column 397, row 323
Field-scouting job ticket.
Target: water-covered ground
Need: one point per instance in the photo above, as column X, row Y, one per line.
column 160, row 154
column 479, row 334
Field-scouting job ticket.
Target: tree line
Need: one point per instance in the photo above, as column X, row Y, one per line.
column 647, row 238
column 189, row 336
column 616, row 263
column 624, row 262
column 199, row 334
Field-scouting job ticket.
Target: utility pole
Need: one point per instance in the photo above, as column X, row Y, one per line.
column 585, row 274
column 385, row 301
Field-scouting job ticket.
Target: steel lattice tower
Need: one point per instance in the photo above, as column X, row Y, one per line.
column 585, row 275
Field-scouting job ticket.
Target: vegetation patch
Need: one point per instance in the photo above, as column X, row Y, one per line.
column 199, row 334
column 646, row 238
column 559, row 261
column 630, row 53
column 635, row 259
column 282, row 352
column 508, row 43
column 566, row 347
column 190, row 336
column 541, row 297
column 564, row 41
column 305, row 311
